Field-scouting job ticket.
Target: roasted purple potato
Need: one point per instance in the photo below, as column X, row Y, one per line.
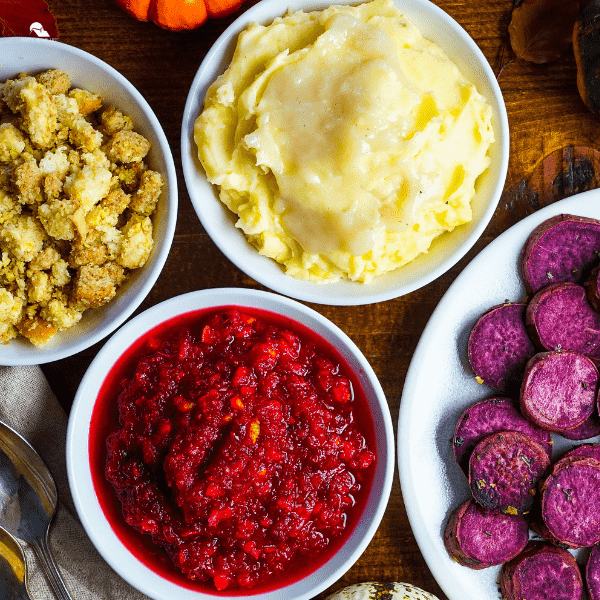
column 590, row 450
column 570, row 503
column 588, row 429
column 559, row 390
column 504, row 470
column 592, row 574
column 499, row 346
column 478, row 538
column 562, row 248
column 592, row 289
column 541, row 572
column 488, row 416
column 560, row 317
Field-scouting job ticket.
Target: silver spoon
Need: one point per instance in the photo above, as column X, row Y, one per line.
column 28, row 500
column 13, row 569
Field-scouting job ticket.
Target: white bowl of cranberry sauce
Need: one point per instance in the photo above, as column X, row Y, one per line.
column 230, row 442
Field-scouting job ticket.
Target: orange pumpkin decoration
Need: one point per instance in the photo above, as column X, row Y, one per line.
column 178, row 14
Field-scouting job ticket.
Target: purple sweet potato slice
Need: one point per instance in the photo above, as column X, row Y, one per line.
column 559, row 390
column 541, row 572
column 504, row 470
column 592, row 574
column 586, row 450
column 537, row 525
column 491, row 416
column 570, row 501
column 478, row 538
column 560, row 316
column 588, row 429
column 592, row 289
column 562, row 248
column 566, row 459
column 499, row 346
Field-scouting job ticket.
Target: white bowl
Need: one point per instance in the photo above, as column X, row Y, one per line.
column 31, row 55
column 82, row 487
column 446, row 250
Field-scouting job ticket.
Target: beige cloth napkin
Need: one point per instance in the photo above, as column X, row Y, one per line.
column 28, row 405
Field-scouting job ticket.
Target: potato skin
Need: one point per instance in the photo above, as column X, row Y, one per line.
column 590, row 450
column 592, row 288
column 592, row 574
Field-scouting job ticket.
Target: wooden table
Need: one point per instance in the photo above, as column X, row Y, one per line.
column 545, row 114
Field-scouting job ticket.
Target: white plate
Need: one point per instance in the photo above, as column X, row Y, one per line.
column 445, row 251
column 440, row 385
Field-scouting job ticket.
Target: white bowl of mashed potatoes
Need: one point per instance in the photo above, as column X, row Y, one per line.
column 345, row 154
column 88, row 200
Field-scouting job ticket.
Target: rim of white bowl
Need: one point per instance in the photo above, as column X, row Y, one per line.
column 80, row 480
column 219, row 222
column 25, row 353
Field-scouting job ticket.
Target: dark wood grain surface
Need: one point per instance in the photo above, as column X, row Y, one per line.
column 545, row 115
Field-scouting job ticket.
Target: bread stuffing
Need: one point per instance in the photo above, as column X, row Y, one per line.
column 76, row 204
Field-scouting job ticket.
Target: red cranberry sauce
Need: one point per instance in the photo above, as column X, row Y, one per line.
column 243, row 447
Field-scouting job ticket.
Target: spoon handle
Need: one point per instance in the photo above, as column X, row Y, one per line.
column 42, row 551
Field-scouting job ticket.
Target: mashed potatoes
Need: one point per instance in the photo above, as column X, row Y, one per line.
column 344, row 141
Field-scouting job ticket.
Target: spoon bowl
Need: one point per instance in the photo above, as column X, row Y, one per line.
column 28, row 500
column 13, row 569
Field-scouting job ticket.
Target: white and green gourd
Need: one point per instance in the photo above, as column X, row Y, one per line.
column 381, row 591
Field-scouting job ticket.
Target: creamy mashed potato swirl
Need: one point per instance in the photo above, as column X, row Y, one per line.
column 343, row 140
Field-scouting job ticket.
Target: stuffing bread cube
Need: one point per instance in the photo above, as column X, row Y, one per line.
column 39, row 114
column 76, row 201
column 27, row 179
column 10, row 314
column 36, row 330
column 145, row 198
column 137, row 242
column 95, row 285
column 11, row 142
column 113, row 120
column 127, row 147
column 55, row 80
column 23, row 237
column 87, row 102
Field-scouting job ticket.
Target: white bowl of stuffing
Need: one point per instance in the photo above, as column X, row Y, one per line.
column 230, row 443
column 345, row 154
column 88, row 200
